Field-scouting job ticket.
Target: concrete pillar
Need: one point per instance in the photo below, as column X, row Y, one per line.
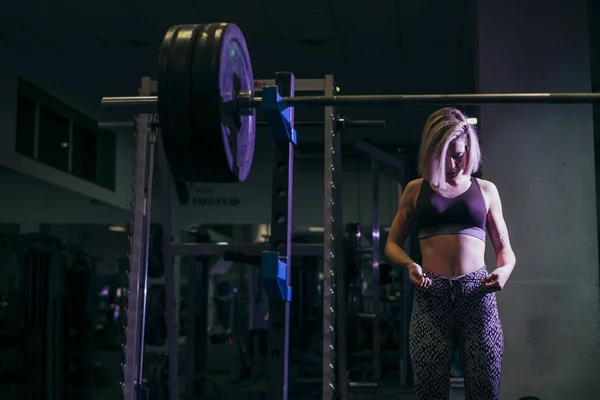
column 541, row 158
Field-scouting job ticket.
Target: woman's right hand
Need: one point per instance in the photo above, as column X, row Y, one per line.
column 415, row 273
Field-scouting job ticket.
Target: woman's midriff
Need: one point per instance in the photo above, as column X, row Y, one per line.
column 452, row 255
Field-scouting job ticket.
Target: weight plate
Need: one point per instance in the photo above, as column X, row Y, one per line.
column 202, row 68
column 163, row 89
column 174, row 94
column 222, row 69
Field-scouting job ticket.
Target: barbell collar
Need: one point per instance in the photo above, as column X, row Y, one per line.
column 245, row 100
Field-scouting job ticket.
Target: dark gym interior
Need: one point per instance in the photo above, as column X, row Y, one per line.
column 119, row 262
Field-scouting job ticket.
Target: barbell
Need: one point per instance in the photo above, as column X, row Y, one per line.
column 206, row 102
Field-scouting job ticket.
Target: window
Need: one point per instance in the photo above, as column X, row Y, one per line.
column 84, row 154
column 53, row 139
column 25, row 139
column 58, row 135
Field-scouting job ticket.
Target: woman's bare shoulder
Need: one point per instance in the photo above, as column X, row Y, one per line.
column 413, row 187
column 411, row 192
column 415, row 182
column 488, row 187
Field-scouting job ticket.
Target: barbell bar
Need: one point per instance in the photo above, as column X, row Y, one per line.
column 399, row 99
column 206, row 102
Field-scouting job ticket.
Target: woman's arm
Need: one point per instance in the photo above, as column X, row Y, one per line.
column 505, row 257
column 394, row 246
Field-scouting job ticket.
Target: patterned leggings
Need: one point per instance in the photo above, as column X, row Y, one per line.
column 456, row 313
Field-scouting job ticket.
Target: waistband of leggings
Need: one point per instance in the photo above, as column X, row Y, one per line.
column 475, row 275
column 459, row 285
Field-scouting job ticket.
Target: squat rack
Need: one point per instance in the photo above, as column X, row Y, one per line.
column 275, row 268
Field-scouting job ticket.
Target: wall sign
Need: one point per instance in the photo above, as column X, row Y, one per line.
column 204, row 196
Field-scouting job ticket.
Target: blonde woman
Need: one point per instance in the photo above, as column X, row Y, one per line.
column 454, row 304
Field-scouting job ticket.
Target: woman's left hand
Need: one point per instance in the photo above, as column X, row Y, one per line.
column 495, row 280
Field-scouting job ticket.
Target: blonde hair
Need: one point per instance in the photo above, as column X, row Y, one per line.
column 442, row 128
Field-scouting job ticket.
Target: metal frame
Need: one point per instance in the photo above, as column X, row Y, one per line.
column 172, row 303
column 138, row 263
column 335, row 380
column 147, row 139
column 329, row 362
column 252, row 249
column 281, row 233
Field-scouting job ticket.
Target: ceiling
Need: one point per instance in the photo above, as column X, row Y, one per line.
column 379, row 46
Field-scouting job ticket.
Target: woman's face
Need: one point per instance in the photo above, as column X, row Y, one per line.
column 456, row 159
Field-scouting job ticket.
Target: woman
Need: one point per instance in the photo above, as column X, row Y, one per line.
column 454, row 304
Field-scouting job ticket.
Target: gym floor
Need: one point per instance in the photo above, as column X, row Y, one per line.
column 224, row 365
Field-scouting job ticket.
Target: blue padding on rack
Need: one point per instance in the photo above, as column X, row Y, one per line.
column 274, row 277
column 278, row 114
